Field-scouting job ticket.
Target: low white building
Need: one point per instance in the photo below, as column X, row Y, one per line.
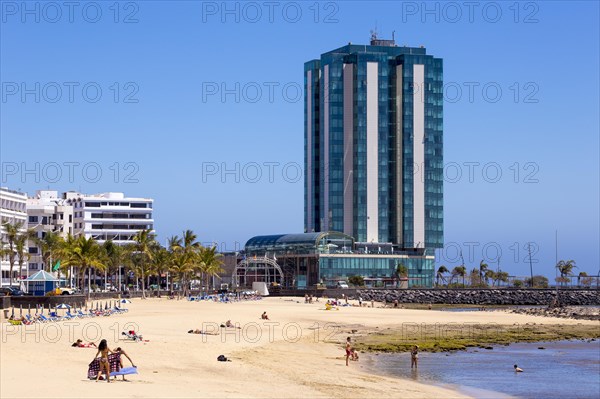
column 13, row 205
column 110, row 216
column 46, row 212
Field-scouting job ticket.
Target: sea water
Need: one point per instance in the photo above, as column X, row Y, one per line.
column 564, row 369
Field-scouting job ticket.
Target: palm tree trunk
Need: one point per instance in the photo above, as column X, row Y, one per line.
column 143, row 285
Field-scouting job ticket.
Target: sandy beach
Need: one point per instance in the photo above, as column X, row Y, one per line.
column 298, row 353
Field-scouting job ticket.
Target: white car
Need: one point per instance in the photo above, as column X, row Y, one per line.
column 68, row 290
column 342, row 285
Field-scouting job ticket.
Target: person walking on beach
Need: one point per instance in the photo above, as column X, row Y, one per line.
column 414, row 356
column 103, row 351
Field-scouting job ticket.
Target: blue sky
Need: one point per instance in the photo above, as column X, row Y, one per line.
column 190, row 89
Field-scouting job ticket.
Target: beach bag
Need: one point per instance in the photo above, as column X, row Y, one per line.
column 222, row 358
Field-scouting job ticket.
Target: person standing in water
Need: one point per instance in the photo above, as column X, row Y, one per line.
column 414, row 356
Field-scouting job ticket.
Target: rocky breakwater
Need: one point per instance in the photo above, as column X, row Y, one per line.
column 483, row 296
column 566, row 312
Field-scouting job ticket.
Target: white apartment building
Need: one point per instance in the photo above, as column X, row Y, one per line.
column 12, row 209
column 110, row 216
column 47, row 212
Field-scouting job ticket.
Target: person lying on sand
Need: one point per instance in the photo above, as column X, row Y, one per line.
column 198, row 331
column 79, row 344
column 229, row 324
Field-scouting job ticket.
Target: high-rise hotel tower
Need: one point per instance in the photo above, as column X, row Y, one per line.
column 374, row 144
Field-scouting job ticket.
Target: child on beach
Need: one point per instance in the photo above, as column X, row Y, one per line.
column 349, row 350
column 414, row 356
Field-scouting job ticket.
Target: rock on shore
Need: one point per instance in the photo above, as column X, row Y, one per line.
column 483, row 296
column 567, row 312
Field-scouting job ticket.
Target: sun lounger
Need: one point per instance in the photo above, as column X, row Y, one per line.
column 45, row 319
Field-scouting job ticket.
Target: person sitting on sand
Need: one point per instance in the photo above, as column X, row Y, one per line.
column 414, row 356
column 518, row 369
column 229, row 324
column 264, row 316
column 198, row 331
column 79, row 344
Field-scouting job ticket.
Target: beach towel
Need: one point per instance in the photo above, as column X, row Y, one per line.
column 124, row 371
column 114, row 361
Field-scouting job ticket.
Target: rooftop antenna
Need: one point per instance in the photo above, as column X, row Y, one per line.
column 374, row 33
column 394, row 35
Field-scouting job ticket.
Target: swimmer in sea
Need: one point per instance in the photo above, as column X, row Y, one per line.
column 518, row 369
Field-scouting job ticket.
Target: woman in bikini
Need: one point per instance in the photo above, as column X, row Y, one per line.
column 103, row 351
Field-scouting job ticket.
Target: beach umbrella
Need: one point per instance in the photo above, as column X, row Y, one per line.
column 125, row 301
column 63, row 306
column 29, row 309
column 20, row 310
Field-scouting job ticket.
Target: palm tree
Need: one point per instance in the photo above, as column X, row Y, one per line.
column 565, row 268
column 49, row 246
column 483, row 267
column 182, row 264
column 401, row 272
column 460, row 271
column 12, row 232
column 65, row 247
column 144, row 241
column 84, row 253
column 115, row 257
column 474, row 278
column 159, row 264
column 22, row 249
column 490, row 275
column 440, row 274
column 210, row 263
column 501, row 276
column 579, row 276
column 174, row 244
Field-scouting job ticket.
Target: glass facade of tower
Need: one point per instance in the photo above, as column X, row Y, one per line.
column 374, row 145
